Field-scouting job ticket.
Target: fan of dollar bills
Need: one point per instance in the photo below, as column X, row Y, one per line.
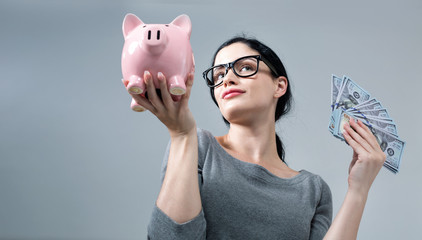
column 349, row 100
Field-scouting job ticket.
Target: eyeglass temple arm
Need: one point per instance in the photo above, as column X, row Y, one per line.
column 270, row 65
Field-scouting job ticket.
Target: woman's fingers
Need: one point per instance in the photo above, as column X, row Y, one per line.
column 356, row 146
column 138, row 98
column 367, row 156
column 153, row 97
column 167, row 103
column 143, row 102
column 370, row 136
column 363, row 142
column 189, row 84
column 366, row 133
column 151, row 90
column 354, row 133
column 165, row 94
column 359, row 129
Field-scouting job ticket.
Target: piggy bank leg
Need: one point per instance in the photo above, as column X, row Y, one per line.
column 176, row 85
column 136, row 85
column 136, row 107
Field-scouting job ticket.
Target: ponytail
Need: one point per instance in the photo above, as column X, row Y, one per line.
column 280, row 149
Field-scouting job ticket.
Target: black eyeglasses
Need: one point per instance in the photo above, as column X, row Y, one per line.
column 243, row 67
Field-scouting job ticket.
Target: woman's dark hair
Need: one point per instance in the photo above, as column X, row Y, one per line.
column 284, row 103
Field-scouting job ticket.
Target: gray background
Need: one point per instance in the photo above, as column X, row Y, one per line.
column 77, row 163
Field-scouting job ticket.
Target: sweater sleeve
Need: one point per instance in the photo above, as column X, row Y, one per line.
column 162, row 227
column 323, row 213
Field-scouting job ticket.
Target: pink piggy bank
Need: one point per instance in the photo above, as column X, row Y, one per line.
column 157, row 48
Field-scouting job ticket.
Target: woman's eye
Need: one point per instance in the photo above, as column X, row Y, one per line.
column 218, row 76
column 246, row 68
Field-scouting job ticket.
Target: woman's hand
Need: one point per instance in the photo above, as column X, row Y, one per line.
column 368, row 157
column 172, row 112
column 367, row 161
column 179, row 197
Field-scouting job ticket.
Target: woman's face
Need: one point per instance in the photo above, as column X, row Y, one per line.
column 247, row 98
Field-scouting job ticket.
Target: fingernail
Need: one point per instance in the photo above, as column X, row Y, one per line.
column 344, row 127
column 160, row 75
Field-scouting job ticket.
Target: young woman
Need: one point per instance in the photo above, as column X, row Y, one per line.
column 237, row 186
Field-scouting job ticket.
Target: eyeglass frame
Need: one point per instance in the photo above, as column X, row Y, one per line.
column 230, row 65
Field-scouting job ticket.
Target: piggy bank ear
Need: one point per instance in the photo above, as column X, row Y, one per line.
column 129, row 23
column 183, row 21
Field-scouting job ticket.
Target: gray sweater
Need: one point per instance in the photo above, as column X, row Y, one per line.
column 243, row 200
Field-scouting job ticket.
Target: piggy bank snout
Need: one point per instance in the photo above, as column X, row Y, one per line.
column 154, row 34
column 154, row 39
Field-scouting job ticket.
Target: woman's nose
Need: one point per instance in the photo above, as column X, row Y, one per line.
column 230, row 78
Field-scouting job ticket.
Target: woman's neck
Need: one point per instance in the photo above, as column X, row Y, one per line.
column 255, row 143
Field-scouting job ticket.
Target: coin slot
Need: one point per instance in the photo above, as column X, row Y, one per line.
column 149, row 35
column 158, row 35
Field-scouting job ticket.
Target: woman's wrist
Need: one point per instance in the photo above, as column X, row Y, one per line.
column 357, row 195
column 359, row 187
column 346, row 223
column 183, row 133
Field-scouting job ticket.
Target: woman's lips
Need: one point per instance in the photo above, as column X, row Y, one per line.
column 232, row 93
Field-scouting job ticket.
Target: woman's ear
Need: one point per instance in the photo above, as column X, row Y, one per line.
column 281, row 86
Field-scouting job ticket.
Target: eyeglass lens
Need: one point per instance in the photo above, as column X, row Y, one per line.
column 243, row 67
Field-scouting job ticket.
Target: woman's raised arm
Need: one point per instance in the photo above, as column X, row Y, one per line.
column 367, row 161
column 179, row 197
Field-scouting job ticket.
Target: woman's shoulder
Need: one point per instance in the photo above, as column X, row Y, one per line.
column 321, row 189
column 205, row 137
column 203, row 133
column 316, row 180
column 207, row 144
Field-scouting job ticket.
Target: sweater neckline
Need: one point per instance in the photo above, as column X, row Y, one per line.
column 258, row 170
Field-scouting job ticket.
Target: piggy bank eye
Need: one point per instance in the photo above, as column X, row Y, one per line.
column 144, row 26
column 166, row 25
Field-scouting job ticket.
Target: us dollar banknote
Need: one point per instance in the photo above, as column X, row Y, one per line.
column 350, row 101
column 391, row 145
column 351, row 94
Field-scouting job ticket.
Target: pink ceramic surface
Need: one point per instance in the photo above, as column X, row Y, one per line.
column 157, row 48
